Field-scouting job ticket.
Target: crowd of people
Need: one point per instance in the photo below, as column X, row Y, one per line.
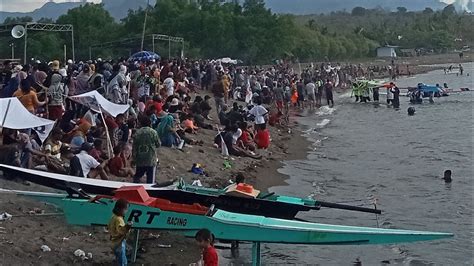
column 170, row 102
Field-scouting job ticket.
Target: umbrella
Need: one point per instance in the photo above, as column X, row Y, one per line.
column 144, row 56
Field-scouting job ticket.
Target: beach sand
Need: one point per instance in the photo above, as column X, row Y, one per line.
column 21, row 238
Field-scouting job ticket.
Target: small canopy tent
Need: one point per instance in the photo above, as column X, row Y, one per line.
column 14, row 115
column 98, row 103
column 95, row 101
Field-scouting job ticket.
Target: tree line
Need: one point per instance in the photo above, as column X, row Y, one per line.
column 247, row 31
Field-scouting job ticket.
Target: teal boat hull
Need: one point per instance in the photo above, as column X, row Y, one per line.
column 234, row 226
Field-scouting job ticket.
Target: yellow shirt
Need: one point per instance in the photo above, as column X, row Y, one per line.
column 117, row 229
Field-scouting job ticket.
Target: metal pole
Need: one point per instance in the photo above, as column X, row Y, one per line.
column 13, row 50
column 256, row 256
column 182, row 50
column 90, row 53
column 135, row 246
column 144, row 24
column 153, row 42
column 6, row 113
column 26, row 43
column 169, row 47
column 72, row 39
column 65, row 54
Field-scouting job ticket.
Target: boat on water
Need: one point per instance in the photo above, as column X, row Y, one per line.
column 158, row 214
column 260, row 203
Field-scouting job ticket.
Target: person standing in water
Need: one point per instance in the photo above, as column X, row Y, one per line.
column 447, row 176
column 396, row 95
column 329, row 96
column 389, row 95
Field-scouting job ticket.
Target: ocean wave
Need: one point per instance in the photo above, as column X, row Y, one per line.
column 325, row 110
column 323, row 123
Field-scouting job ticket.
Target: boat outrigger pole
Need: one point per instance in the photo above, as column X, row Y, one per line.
column 347, row 207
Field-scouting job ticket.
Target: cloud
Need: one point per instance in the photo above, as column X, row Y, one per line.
column 29, row 5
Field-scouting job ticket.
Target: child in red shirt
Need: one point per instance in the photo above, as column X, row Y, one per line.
column 205, row 241
column 262, row 138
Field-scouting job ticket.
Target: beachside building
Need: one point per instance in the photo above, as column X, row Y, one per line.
column 387, row 51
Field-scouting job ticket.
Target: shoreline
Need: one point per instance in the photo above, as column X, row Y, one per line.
column 25, row 234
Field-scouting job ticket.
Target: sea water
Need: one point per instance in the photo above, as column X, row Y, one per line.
column 366, row 153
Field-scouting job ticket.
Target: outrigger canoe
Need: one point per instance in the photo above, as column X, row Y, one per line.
column 157, row 214
column 264, row 204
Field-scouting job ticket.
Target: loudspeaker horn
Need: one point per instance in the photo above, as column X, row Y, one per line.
column 18, row 31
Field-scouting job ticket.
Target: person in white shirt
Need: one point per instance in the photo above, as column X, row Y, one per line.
column 259, row 112
column 310, row 91
column 168, row 83
column 389, row 96
column 91, row 168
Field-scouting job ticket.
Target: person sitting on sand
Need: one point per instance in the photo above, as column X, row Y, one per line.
column 167, row 132
column 205, row 241
column 234, row 115
column 89, row 167
column 119, row 231
column 223, row 115
column 97, row 151
column 245, row 140
column 26, row 151
column 53, row 144
column 189, row 126
column 117, row 165
column 79, row 135
column 233, row 148
column 206, row 107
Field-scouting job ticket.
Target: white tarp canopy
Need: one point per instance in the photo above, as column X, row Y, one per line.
column 98, row 103
column 15, row 116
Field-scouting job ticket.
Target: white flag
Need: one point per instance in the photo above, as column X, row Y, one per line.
column 43, row 131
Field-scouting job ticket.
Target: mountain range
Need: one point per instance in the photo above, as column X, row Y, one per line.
column 119, row 8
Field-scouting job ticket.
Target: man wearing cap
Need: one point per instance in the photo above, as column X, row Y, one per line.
column 90, row 167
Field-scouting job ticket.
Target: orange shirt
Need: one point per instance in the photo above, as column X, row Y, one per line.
column 189, row 124
column 29, row 100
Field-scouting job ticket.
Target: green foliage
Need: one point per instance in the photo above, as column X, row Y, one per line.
column 92, row 25
column 247, row 31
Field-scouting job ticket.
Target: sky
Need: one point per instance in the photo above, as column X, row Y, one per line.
column 30, row 5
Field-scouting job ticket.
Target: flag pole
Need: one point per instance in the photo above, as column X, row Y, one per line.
column 6, row 113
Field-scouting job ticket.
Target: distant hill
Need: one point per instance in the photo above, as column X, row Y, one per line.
column 119, row 8
column 48, row 10
column 305, row 7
